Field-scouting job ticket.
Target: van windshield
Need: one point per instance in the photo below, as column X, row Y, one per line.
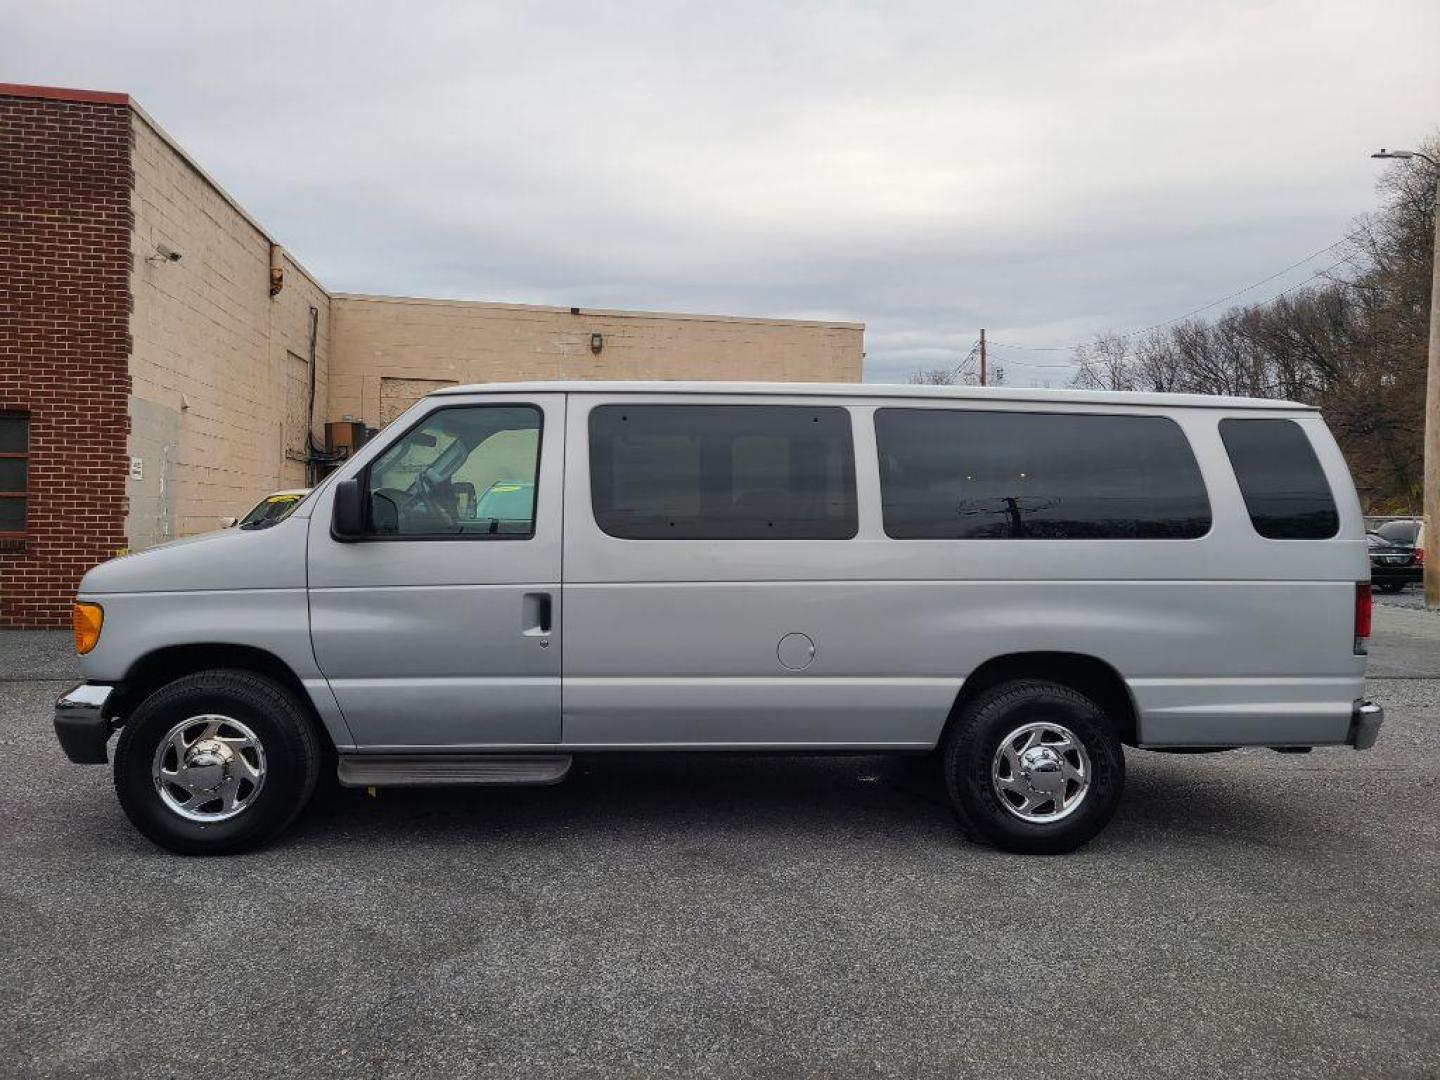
column 271, row 511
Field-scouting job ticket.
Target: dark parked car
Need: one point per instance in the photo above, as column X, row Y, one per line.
column 1395, row 561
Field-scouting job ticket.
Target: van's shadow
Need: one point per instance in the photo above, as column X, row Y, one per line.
column 696, row 796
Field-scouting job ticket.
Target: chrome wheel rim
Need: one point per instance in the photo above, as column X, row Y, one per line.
column 209, row 768
column 1041, row 772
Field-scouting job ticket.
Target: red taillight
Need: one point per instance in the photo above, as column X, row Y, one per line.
column 1363, row 607
column 1419, row 556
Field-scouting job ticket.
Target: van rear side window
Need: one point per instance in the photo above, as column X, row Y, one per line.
column 1285, row 490
column 969, row 474
column 722, row 472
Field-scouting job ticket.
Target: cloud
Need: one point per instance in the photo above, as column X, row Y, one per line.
column 1046, row 170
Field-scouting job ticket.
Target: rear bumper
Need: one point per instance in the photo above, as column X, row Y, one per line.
column 1396, row 575
column 82, row 724
column 1365, row 724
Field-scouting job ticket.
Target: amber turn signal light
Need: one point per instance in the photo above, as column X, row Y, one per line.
column 88, row 618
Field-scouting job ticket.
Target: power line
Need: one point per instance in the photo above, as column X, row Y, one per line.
column 1256, row 285
column 1303, row 284
column 965, row 365
column 1214, row 303
column 1269, row 300
column 1034, row 363
column 1128, row 354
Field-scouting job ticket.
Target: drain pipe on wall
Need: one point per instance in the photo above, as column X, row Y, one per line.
column 318, row 456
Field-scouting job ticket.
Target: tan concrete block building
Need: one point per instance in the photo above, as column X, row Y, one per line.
column 164, row 362
column 387, row 351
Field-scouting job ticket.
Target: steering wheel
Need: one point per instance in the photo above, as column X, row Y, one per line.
column 432, row 494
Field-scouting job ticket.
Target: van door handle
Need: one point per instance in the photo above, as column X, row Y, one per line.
column 535, row 614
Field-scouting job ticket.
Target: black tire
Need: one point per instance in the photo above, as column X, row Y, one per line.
column 292, row 759
column 974, row 740
column 1392, row 587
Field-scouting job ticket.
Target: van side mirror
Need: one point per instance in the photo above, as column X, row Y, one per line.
column 347, row 520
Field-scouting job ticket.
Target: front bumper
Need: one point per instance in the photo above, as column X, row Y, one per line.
column 1365, row 723
column 82, row 724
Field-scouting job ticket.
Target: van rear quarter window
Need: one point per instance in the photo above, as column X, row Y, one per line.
column 1284, row 487
column 723, row 472
column 970, row 474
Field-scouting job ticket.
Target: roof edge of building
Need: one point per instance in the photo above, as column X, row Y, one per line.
column 610, row 313
column 60, row 93
column 106, row 97
column 64, row 93
column 199, row 170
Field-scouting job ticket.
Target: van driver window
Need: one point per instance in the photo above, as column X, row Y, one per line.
column 467, row 471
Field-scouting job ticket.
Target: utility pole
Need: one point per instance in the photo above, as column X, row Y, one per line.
column 1430, row 499
column 1430, row 478
column 982, row 356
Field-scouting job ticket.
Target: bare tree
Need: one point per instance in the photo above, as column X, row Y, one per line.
column 962, row 374
column 1353, row 343
column 1105, row 364
column 935, row 377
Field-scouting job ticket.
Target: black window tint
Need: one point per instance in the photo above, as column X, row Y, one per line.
column 12, row 515
column 722, row 472
column 1285, row 490
column 970, row 474
column 14, row 471
column 14, row 433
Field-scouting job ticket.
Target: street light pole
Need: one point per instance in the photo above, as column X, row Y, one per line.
column 1430, row 482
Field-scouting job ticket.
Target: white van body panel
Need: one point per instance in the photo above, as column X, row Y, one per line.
column 424, row 641
column 1217, row 637
column 1228, row 639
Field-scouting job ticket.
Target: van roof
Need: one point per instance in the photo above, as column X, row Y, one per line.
column 880, row 390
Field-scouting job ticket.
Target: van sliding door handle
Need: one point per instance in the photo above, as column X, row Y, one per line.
column 535, row 614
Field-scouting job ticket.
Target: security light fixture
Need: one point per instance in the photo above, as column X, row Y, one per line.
column 1402, row 155
column 597, row 342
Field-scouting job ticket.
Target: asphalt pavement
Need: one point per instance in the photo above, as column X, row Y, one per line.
column 1245, row 915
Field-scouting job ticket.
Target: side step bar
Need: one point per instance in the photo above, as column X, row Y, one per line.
column 427, row 770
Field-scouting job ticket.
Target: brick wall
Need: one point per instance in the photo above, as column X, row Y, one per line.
column 64, row 337
column 191, row 371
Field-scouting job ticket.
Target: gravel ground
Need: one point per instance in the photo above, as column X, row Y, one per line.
column 1245, row 915
column 1412, row 597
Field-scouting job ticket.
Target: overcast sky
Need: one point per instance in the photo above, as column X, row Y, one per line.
column 1045, row 170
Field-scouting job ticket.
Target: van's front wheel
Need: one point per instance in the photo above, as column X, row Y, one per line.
column 1034, row 767
column 216, row 762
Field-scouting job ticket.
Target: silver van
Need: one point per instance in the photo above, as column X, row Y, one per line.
column 1021, row 582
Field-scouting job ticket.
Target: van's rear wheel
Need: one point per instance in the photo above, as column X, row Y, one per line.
column 215, row 763
column 1034, row 766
